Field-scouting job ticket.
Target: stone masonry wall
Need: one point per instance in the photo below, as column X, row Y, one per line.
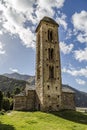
column 20, row 103
column 68, row 101
column 25, row 102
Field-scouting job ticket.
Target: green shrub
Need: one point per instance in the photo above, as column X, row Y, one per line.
column 2, row 112
column 6, row 104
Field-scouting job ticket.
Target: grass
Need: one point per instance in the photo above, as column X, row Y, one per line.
column 63, row 120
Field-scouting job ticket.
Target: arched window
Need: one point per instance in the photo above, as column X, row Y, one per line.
column 50, row 35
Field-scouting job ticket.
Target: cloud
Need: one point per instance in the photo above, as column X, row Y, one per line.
column 82, row 37
column 62, row 21
column 13, row 21
column 79, row 21
column 13, row 17
column 69, row 33
column 81, row 55
column 80, row 81
column 20, row 5
column 15, row 14
column 14, row 25
column 48, row 4
column 66, row 49
column 13, row 70
column 2, row 51
column 74, row 72
column 45, row 8
column 1, row 32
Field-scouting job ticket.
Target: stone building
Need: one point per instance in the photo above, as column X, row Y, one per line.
column 48, row 94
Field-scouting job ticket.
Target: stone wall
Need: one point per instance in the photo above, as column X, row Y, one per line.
column 68, row 100
column 31, row 99
column 25, row 102
column 20, row 103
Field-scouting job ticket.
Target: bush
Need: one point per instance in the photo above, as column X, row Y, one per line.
column 11, row 103
column 2, row 112
column 1, row 99
column 6, row 104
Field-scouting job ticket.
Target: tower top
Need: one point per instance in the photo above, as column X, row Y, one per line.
column 48, row 20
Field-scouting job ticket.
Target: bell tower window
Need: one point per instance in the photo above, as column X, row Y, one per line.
column 50, row 35
column 50, row 53
column 51, row 72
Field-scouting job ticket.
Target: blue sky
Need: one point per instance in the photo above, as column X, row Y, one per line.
column 18, row 20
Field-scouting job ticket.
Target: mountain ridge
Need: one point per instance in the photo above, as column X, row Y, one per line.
column 17, row 76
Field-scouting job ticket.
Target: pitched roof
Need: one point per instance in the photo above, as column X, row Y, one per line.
column 22, row 94
column 67, row 90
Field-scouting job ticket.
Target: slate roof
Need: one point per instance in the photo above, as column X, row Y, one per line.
column 67, row 90
column 22, row 94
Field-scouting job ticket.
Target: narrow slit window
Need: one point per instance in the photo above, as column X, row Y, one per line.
column 51, row 72
column 50, row 35
column 48, row 87
column 50, row 54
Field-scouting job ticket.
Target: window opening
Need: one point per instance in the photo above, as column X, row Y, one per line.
column 51, row 72
column 50, row 35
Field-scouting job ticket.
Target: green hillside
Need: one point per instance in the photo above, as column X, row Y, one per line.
column 9, row 84
column 64, row 120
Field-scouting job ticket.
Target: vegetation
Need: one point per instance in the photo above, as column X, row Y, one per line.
column 63, row 120
column 9, row 85
column 8, row 88
column 17, row 90
column 6, row 102
column 1, row 99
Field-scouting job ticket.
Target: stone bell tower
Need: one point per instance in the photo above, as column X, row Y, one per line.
column 48, row 68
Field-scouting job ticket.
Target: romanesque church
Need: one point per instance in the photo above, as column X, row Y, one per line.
column 47, row 94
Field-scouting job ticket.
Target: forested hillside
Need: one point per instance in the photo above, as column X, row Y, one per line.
column 9, row 84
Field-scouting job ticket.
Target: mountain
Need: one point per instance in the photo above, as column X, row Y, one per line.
column 18, row 76
column 9, row 84
column 30, row 79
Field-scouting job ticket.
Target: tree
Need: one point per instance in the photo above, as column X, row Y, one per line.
column 6, row 104
column 8, row 94
column 17, row 91
column 1, row 99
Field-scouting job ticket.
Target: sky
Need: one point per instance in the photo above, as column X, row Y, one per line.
column 18, row 21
